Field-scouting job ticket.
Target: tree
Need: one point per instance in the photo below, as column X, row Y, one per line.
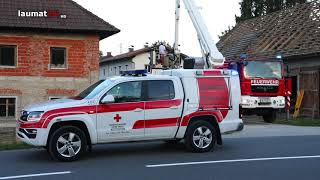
column 291, row 3
column 246, row 10
column 273, row 5
column 256, row 8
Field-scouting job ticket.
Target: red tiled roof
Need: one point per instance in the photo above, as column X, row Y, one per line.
column 291, row 32
column 124, row 56
column 78, row 19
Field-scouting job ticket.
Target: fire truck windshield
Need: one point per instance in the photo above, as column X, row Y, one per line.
column 263, row 69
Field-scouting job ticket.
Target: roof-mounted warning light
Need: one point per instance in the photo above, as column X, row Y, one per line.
column 134, row 73
column 279, row 56
column 244, row 56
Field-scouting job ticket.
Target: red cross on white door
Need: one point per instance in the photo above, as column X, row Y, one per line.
column 117, row 118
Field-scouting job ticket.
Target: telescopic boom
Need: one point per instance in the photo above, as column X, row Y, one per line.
column 210, row 52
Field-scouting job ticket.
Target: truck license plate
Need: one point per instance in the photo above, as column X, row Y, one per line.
column 265, row 100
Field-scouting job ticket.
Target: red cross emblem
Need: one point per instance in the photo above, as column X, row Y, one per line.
column 117, row 118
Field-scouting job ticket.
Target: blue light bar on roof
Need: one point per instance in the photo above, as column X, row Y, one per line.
column 134, row 73
column 234, row 73
column 244, row 56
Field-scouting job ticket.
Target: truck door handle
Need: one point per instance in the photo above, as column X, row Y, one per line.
column 138, row 110
column 174, row 107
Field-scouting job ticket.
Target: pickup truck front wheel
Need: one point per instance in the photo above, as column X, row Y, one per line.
column 67, row 144
column 200, row 137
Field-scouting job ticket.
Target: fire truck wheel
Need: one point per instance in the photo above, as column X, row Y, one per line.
column 270, row 117
column 200, row 137
column 67, row 144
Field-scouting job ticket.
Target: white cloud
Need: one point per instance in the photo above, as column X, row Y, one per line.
column 143, row 21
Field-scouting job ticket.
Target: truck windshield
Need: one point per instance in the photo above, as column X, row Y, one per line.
column 93, row 90
column 263, row 69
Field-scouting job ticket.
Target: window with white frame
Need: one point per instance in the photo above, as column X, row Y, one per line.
column 7, row 107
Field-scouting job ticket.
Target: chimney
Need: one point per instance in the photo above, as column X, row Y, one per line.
column 109, row 54
column 131, row 48
column 146, row 45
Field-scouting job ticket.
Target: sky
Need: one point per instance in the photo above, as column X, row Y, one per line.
column 142, row 21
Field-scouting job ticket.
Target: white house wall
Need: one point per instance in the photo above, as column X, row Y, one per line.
column 112, row 68
column 141, row 60
column 138, row 62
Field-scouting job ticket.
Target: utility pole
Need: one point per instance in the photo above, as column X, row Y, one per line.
column 176, row 35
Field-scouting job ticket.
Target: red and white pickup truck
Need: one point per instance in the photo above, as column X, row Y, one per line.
column 196, row 106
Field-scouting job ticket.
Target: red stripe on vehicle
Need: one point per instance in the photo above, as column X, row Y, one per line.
column 162, row 104
column 61, row 112
column 212, row 73
column 119, row 107
column 48, row 120
column 29, row 125
column 156, row 123
column 138, row 124
column 217, row 114
column 48, row 116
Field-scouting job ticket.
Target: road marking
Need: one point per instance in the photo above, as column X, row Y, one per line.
column 35, row 175
column 230, row 161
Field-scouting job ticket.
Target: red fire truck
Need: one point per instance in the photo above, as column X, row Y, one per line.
column 264, row 89
column 263, row 86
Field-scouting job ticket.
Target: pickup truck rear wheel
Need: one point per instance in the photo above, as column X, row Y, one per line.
column 67, row 144
column 200, row 137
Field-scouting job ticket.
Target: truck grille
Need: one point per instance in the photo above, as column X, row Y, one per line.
column 262, row 89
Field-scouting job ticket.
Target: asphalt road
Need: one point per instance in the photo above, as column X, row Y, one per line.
column 131, row 161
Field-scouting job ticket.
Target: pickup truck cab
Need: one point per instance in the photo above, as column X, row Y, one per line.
column 194, row 105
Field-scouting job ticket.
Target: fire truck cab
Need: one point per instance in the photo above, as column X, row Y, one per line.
column 196, row 106
column 263, row 86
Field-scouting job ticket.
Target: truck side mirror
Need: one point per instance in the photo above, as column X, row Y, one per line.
column 108, row 99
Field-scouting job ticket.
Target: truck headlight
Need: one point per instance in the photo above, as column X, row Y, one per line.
column 245, row 101
column 34, row 116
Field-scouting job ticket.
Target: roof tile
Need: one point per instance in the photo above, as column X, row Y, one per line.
column 78, row 18
column 292, row 32
column 125, row 55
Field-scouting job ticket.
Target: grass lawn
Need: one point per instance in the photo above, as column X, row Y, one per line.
column 299, row 122
column 11, row 146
